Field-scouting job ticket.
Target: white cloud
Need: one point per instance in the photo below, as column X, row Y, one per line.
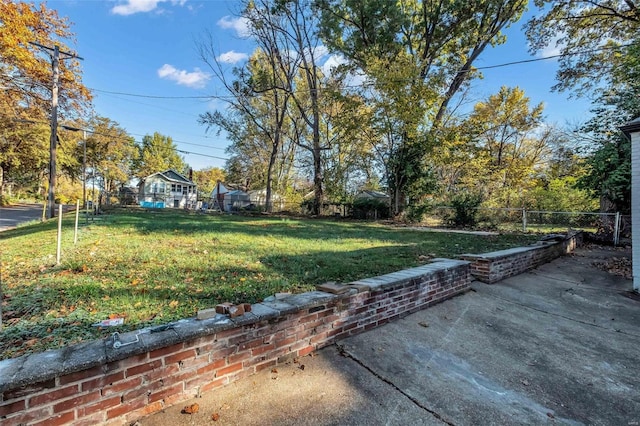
column 554, row 47
column 332, row 62
column 232, row 57
column 240, row 25
column 129, row 7
column 196, row 79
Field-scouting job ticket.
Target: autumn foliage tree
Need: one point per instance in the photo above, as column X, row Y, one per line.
column 25, row 78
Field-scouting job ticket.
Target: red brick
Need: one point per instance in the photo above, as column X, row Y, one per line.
column 75, row 402
column 260, row 350
column 249, row 344
column 286, row 342
column 229, row 369
column 223, row 353
column 211, row 366
column 169, row 350
column 142, row 368
column 171, row 359
column 197, row 381
column 145, row 411
column 142, row 390
column 122, row 386
column 95, row 419
column 58, row 419
column 171, row 390
column 306, row 351
column 229, row 333
column 99, row 407
column 11, row 407
column 81, row 375
column 28, row 389
column 175, row 378
column 159, row 373
column 100, row 382
column 53, row 395
column 214, row 384
column 173, row 399
column 232, row 359
column 194, row 363
column 262, row 366
column 126, row 408
column 132, row 361
column 30, row 416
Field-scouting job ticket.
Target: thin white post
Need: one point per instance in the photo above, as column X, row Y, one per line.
column 59, row 235
column 524, row 220
column 75, row 230
column 616, row 230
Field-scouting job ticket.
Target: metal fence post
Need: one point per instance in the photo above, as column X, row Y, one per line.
column 524, row 220
column 616, row 230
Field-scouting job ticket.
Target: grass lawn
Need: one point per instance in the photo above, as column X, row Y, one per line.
column 159, row 266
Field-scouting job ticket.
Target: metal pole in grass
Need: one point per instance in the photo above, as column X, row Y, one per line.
column 75, row 231
column 616, row 230
column 524, row 220
column 59, row 235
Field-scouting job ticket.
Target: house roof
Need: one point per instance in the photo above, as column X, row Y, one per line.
column 631, row 127
column 172, row 176
column 372, row 194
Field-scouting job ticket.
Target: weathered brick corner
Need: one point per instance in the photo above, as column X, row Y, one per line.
column 498, row 265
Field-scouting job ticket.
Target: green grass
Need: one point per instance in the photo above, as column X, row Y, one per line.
column 159, row 266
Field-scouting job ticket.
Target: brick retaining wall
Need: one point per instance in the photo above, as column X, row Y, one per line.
column 498, row 265
column 97, row 383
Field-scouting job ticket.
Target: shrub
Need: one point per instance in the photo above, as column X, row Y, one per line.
column 465, row 206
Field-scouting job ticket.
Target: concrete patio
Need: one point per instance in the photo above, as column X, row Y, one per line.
column 556, row 345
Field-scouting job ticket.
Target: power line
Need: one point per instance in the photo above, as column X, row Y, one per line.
column 487, row 67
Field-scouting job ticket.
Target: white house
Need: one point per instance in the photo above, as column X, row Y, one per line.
column 632, row 131
column 167, row 189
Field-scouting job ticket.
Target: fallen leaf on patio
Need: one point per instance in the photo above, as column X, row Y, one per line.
column 424, row 324
column 215, row 417
column 525, row 382
column 190, row 409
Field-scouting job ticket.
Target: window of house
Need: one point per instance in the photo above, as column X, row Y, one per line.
column 184, row 189
column 178, row 188
column 161, row 187
column 173, row 187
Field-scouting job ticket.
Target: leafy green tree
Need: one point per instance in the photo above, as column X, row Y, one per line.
column 592, row 36
column 513, row 145
column 157, row 153
column 207, row 178
column 428, row 50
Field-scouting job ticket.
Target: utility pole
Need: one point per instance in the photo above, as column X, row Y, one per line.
column 53, row 142
column 84, row 161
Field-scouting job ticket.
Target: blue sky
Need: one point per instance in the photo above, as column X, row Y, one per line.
column 148, row 47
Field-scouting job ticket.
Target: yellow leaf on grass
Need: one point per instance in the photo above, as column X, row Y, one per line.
column 173, row 304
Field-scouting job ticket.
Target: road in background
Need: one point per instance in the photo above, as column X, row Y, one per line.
column 12, row 216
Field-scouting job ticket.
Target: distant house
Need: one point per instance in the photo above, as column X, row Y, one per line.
column 225, row 197
column 167, row 189
column 258, row 197
column 373, row 195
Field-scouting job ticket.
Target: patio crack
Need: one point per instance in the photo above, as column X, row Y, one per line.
column 346, row 354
